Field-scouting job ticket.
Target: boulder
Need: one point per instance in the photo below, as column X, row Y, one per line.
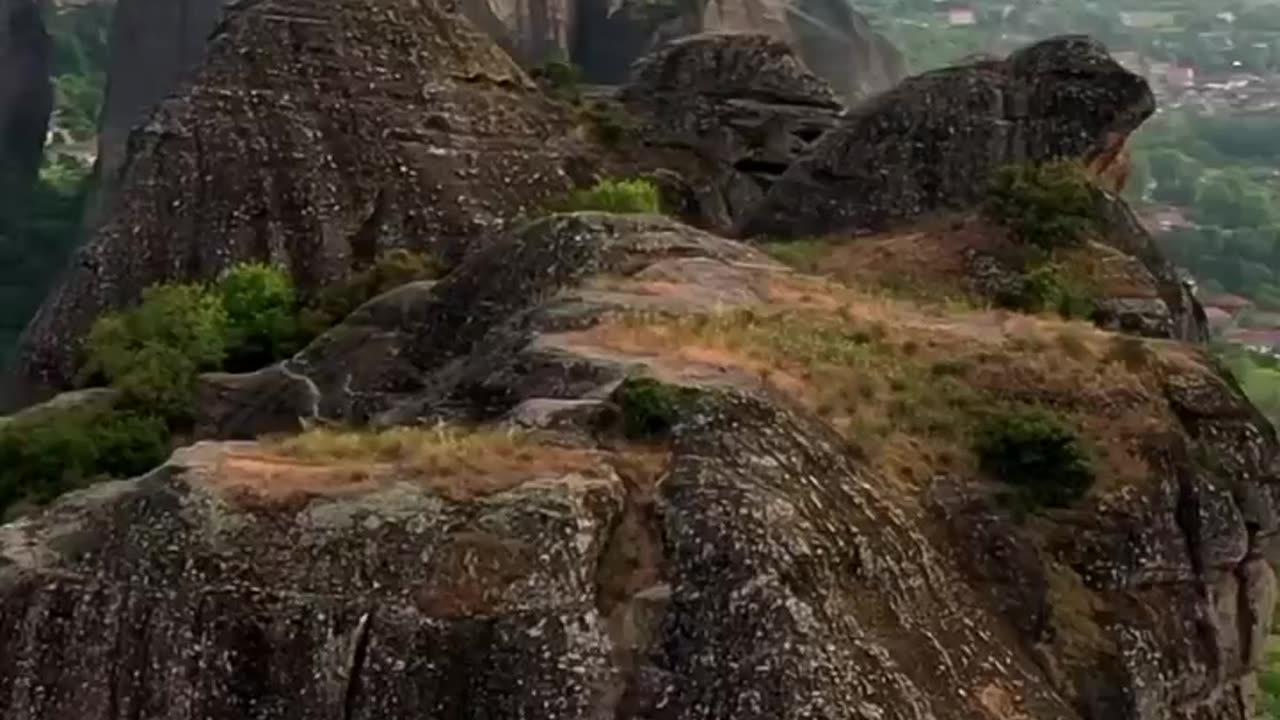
column 931, row 143
column 26, row 101
column 741, row 102
column 316, row 135
column 761, row 554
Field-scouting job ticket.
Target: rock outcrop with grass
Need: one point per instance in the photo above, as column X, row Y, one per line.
column 349, row 128
column 611, row 465
column 673, row 476
column 26, row 98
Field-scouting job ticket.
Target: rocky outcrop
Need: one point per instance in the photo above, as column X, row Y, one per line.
column 155, row 46
column 763, row 556
column 832, row 38
column 306, row 139
column 26, row 101
column 741, row 102
column 930, row 144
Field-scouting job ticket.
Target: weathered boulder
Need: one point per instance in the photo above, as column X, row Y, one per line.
column 930, row 144
column 26, row 101
column 155, row 46
column 775, row 555
column 742, row 102
column 316, row 134
column 832, row 38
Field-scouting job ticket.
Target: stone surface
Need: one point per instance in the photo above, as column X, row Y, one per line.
column 155, row 46
column 26, row 100
column 742, row 102
column 931, row 143
column 349, row 128
column 761, row 568
column 830, row 36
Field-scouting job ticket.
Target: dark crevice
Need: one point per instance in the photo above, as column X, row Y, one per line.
column 355, row 667
column 760, row 167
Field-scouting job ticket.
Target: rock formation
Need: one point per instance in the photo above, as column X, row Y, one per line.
column 318, row 148
column 155, row 46
column 764, row 555
column 26, row 100
column 741, row 102
column 1063, row 97
column 835, row 41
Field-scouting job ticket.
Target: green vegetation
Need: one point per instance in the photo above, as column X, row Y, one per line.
column 1043, row 288
column 41, row 459
column 261, row 310
column 559, row 79
column 651, row 409
column 1037, row 455
column 1046, row 205
column 624, row 196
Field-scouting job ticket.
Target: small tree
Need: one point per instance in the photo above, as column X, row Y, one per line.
column 1039, row 457
column 261, row 308
column 1047, row 205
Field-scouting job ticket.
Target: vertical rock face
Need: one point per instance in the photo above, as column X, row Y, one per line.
column 834, row 40
column 316, row 134
column 155, row 45
column 26, row 99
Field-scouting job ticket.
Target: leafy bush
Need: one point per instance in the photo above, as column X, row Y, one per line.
column 616, row 196
column 389, row 271
column 262, row 315
column 651, row 409
column 40, row 460
column 1043, row 289
column 559, row 79
column 187, row 319
column 609, row 121
column 1047, row 205
column 1037, row 455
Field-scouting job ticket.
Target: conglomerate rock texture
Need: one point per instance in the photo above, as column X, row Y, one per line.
column 930, row 144
column 761, row 567
column 350, row 127
column 26, row 99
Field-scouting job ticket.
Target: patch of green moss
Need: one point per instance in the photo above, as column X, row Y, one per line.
column 650, row 408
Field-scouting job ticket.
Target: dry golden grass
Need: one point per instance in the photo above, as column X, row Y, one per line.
column 457, row 462
column 906, row 383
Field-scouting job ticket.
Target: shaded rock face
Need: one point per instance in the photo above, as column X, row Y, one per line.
column 761, row 570
column 26, row 100
column 931, row 143
column 317, row 134
column 155, row 46
column 835, row 41
column 742, row 102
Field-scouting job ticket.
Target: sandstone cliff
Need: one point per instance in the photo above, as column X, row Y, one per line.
column 26, row 100
column 318, row 148
column 804, row 536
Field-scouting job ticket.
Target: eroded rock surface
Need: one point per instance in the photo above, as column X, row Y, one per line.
column 772, row 563
column 931, row 143
column 743, row 103
column 316, row 134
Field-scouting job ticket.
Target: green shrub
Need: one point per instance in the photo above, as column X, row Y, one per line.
column 559, row 79
column 186, row 318
column 1035, row 454
column 262, row 315
column 609, row 122
column 1047, row 205
column 635, row 196
column 389, row 271
column 651, row 409
column 1043, row 289
column 42, row 459
column 160, row 380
